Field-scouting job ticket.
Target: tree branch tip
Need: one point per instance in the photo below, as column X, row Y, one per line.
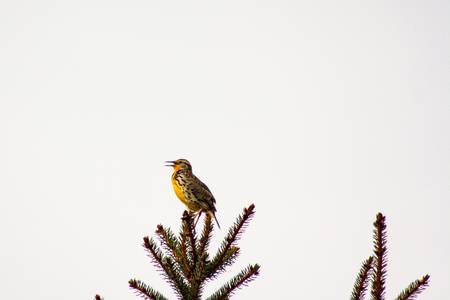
column 250, row 208
column 425, row 279
column 380, row 218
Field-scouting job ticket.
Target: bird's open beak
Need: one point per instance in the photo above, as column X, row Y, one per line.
column 170, row 163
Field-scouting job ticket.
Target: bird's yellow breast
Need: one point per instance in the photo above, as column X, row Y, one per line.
column 178, row 190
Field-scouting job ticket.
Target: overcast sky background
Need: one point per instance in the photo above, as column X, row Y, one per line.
column 322, row 114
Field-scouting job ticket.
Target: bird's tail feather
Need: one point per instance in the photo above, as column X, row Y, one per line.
column 212, row 214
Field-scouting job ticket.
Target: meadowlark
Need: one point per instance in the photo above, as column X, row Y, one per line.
column 190, row 190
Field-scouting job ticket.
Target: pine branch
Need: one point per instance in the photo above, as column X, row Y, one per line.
column 228, row 253
column 168, row 240
column 414, row 289
column 188, row 243
column 184, row 251
column 172, row 246
column 199, row 273
column 144, row 291
column 156, row 253
column 379, row 281
column 189, row 228
column 176, row 279
column 206, row 235
column 361, row 282
column 171, row 274
column 198, row 281
column 243, row 278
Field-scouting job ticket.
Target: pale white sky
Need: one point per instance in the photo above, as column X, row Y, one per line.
column 321, row 114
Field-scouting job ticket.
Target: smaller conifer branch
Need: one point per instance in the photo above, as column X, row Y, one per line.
column 172, row 246
column 243, row 278
column 155, row 252
column 168, row 240
column 184, row 251
column 145, row 291
column 189, row 229
column 165, row 264
column 414, row 289
column 380, row 236
column 175, row 279
column 361, row 282
column 206, row 235
column 198, row 279
column 227, row 254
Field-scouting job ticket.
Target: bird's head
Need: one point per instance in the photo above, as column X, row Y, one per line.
column 180, row 164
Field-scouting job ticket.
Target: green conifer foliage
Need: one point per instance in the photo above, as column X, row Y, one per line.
column 374, row 270
column 186, row 264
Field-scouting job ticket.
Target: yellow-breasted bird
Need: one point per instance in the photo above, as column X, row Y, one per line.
column 190, row 190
